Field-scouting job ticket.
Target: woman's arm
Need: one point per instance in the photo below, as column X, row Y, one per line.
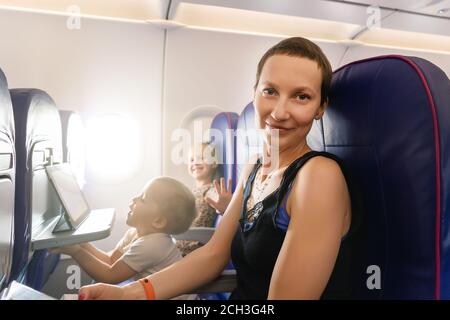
column 318, row 208
column 196, row 269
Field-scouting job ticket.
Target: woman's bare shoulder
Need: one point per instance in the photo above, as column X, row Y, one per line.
column 320, row 175
column 321, row 166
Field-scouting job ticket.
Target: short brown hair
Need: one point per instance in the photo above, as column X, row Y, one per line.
column 301, row 47
column 177, row 203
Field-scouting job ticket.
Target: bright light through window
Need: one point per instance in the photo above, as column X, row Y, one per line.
column 113, row 150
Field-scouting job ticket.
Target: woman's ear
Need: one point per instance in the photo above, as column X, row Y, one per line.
column 321, row 110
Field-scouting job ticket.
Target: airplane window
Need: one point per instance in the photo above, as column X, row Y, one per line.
column 113, row 147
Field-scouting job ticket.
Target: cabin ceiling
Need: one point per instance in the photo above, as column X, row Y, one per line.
column 400, row 21
column 156, row 9
column 438, row 8
column 118, row 9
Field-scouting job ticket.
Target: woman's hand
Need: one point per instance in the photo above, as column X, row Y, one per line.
column 69, row 250
column 224, row 196
column 101, row 291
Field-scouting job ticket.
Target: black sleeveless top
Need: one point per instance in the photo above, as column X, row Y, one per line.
column 256, row 245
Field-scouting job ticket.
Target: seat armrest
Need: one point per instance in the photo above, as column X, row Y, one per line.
column 226, row 282
column 200, row 234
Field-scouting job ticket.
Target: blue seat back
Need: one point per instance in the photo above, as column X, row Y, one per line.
column 7, row 181
column 223, row 139
column 248, row 142
column 38, row 143
column 389, row 120
column 223, row 128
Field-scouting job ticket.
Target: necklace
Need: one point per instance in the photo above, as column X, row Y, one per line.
column 259, row 187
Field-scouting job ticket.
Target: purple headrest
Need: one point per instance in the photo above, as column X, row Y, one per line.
column 225, row 124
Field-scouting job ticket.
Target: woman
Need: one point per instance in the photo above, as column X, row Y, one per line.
column 287, row 225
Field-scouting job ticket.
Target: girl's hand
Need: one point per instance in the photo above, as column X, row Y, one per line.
column 224, row 196
column 69, row 250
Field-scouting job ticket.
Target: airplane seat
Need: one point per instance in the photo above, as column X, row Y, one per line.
column 38, row 143
column 248, row 142
column 223, row 139
column 7, row 182
column 389, row 121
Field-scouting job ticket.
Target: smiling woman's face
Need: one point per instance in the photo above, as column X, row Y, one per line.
column 287, row 99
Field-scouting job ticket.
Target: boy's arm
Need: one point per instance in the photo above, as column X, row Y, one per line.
column 101, row 271
column 107, row 257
